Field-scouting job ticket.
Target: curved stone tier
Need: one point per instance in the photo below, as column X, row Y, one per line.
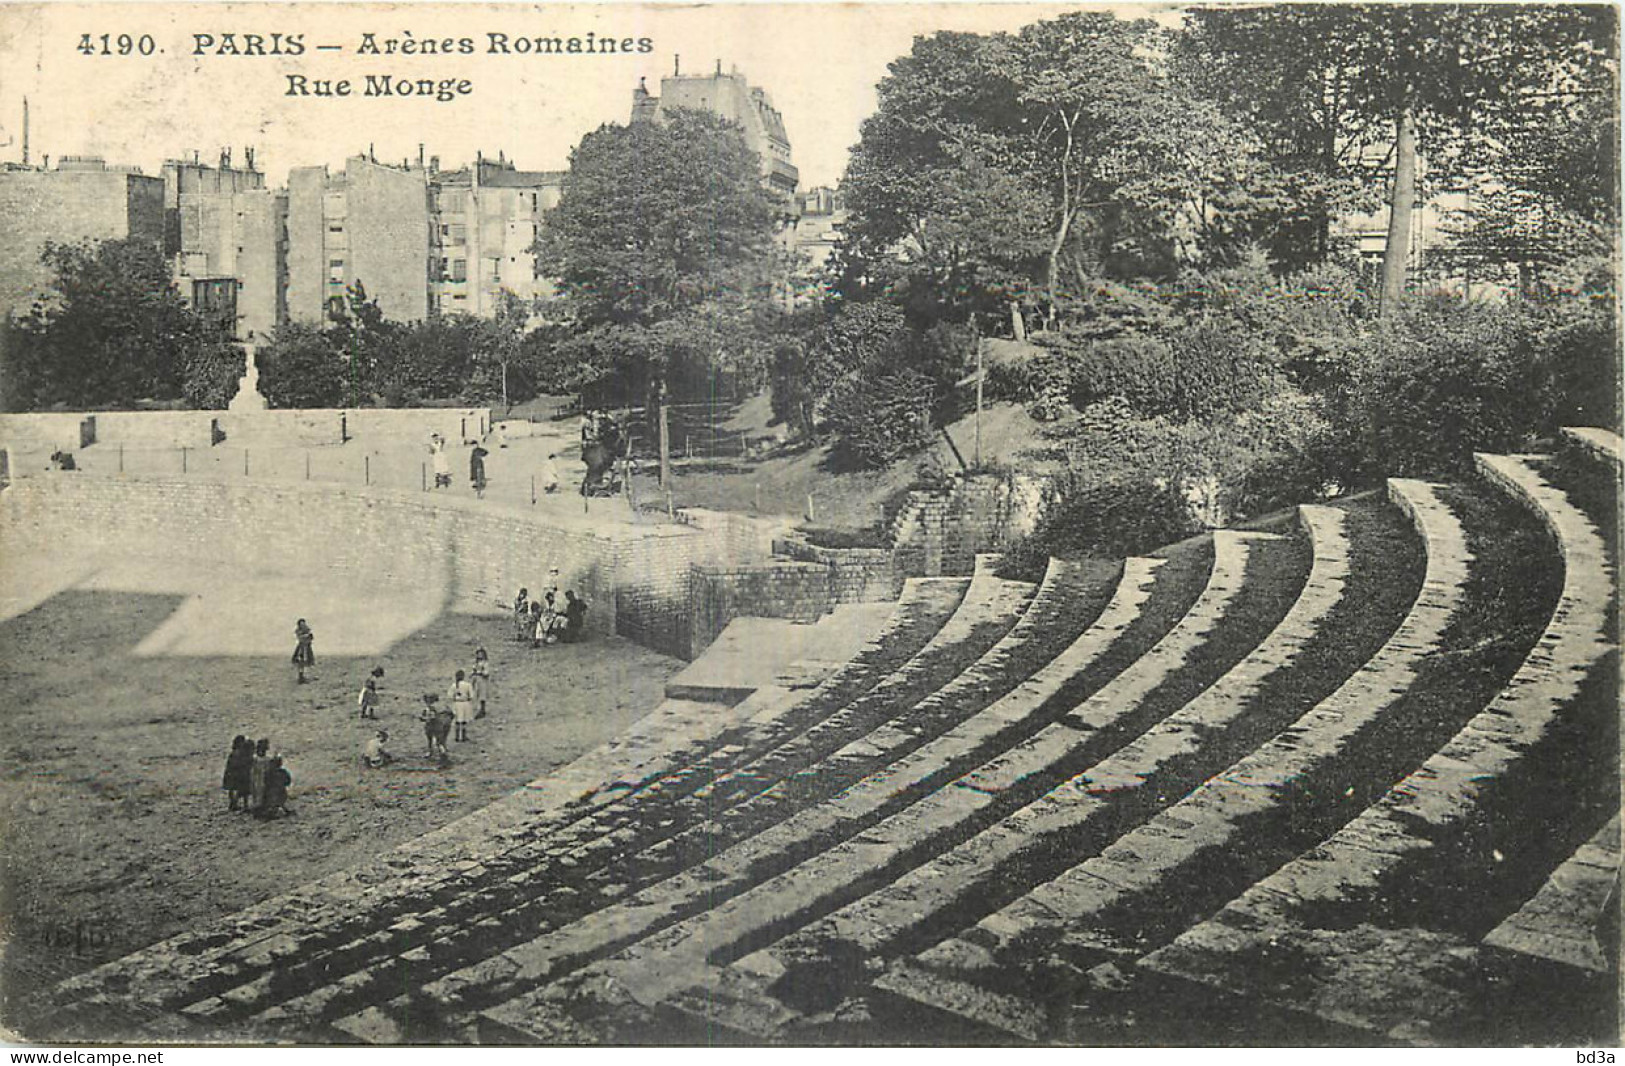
column 1143, row 862
column 1305, row 904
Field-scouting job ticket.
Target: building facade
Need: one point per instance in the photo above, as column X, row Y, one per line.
column 81, row 199
column 484, row 219
column 367, row 226
column 731, row 97
column 227, row 234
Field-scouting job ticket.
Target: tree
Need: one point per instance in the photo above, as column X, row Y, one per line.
column 304, row 366
column 112, row 331
column 1354, row 91
column 1020, row 168
column 663, row 230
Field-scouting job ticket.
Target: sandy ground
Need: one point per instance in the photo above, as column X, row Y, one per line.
column 123, row 689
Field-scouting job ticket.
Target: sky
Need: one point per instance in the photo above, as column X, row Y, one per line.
column 818, row 62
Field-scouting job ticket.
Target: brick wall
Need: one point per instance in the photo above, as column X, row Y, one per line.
column 776, row 589
column 942, row 533
column 856, row 575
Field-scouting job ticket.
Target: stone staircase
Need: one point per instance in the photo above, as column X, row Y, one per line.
column 1353, row 778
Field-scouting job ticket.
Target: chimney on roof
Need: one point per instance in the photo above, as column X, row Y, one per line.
column 248, row 156
column 719, row 68
column 420, row 153
column 676, row 66
column 225, row 159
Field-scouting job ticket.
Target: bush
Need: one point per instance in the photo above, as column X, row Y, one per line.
column 1446, row 379
column 879, row 415
column 303, row 367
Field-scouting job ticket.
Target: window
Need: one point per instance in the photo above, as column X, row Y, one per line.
column 459, row 270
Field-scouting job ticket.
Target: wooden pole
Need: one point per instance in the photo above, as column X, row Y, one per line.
column 183, row 460
column 366, row 469
column 978, row 403
column 665, row 444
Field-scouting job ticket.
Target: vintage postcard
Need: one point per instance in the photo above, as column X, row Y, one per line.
column 809, row 524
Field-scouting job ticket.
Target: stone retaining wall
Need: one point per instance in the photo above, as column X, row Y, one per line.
column 636, row 579
column 777, row 589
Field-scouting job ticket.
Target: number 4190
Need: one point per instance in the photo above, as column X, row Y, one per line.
column 120, row 45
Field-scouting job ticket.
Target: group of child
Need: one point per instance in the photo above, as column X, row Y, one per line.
column 255, row 780
column 469, row 696
column 541, row 622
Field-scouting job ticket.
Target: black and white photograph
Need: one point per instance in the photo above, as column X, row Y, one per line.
column 862, row 525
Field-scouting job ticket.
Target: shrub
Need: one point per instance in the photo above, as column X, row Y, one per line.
column 303, row 367
column 880, row 415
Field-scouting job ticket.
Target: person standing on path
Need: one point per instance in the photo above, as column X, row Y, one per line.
column 476, row 470
column 462, row 704
column 480, row 678
column 550, row 474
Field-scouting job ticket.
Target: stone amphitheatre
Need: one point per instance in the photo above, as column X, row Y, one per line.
column 1349, row 775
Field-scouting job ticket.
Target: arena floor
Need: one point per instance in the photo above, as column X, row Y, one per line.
column 125, row 682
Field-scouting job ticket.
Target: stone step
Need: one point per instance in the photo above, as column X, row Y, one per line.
column 753, row 653
column 670, row 961
column 1601, row 444
column 984, row 867
column 579, row 859
column 1562, row 923
column 527, row 963
column 1139, row 867
column 1418, row 831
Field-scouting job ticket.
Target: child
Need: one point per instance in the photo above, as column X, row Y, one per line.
column 481, row 680
column 522, row 627
column 368, row 699
column 575, row 616
column 304, row 650
column 462, row 704
column 547, row 630
column 436, row 725
column 258, row 771
column 239, row 764
column 277, row 780
column 375, row 755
